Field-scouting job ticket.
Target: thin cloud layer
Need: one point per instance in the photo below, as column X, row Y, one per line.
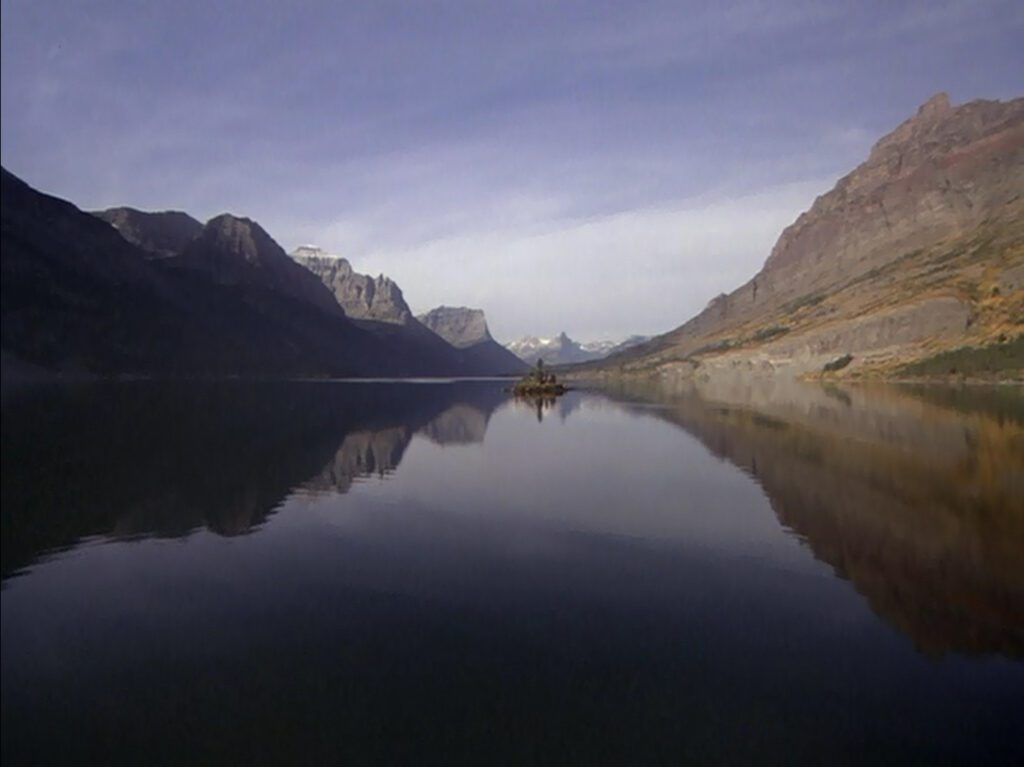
column 644, row 270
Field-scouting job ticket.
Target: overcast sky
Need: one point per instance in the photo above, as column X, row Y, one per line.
column 599, row 168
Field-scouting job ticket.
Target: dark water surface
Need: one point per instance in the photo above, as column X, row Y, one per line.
column 430, row 573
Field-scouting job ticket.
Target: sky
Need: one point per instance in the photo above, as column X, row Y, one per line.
column 599, row 168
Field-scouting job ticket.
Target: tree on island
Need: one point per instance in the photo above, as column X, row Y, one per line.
column 540, row 376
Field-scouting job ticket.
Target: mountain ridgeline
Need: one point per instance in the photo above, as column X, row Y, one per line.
column 562, row 350
column 125, row 292
column 361, row 296
column 466, row 330
column 911, row 266
column 913, row 262
column 457, row 340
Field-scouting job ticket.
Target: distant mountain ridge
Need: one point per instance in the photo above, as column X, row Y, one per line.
column 917, row 252
column 562, row 350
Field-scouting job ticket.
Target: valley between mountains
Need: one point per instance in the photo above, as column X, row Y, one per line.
column 911, row 266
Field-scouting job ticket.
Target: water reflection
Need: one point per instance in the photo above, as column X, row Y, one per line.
column 604, row 585
column 142, row 459
column 541, row 406
column 913, row 494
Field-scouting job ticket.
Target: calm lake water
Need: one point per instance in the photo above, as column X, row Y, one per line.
column 432, row 573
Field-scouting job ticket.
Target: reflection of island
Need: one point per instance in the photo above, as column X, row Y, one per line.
column 916, row 503
column 151, row 459
column 541, row 405
column 537, row 403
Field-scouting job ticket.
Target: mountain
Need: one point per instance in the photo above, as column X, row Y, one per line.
column 560, row 350
column 238, row 252
column 124, row 292
column 78, row 298
column 466, row 330
column 913, row 261
column 75, row 294
column 460, row 326
column 598, row 348
column 604, row 348
column 361, row 296
column 160, row 234
column 378, row 305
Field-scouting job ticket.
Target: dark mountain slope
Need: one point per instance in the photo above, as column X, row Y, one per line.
column 162, row 234
column 78, row 297
column 237, row 252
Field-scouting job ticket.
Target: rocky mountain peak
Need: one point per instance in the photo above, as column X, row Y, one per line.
column 458, row 325
column 161, row 234
column 360, row 295
column 240, row 237
column 920, row 182
column 892, row 256
column 936, row 106
column 238, row 251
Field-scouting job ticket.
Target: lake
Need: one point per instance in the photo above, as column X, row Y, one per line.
column 434, row 573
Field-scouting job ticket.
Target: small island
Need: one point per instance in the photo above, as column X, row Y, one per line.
column 537, row 383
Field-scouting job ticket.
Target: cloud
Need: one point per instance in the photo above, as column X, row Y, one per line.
column 635, row 271
column 599, row 169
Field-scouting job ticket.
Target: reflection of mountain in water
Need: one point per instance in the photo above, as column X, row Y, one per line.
column 378, row 452
column 362, row 454
column 147, row 459
column 916, row 503
column 458, row 425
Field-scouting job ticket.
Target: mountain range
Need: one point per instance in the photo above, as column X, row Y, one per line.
column 126, row 292
column 562, row 350
column 912, row 265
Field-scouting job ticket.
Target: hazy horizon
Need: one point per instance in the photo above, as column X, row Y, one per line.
column 604, row 172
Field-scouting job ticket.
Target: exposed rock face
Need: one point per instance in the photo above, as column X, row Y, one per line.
column 936, row 212
column 237, row 251
column 160, row 234
column 458, row 325
column 466, row 330
column 377, row 305
column 939, row 173
column 361, row 296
